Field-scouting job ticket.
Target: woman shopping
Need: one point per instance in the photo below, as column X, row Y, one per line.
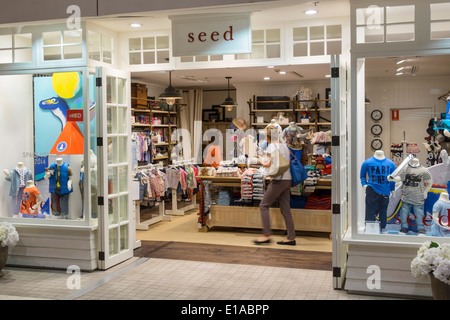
column 277, row 162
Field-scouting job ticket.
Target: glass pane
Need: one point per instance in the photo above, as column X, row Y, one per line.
column 113, row 211
column 124, row 237
column 301, row 34
column 201, row 58
column 242, row 56
column 122, row 122
column 22, row 40
column 123, row 175
column 334, row 32
column 135, row 58
column 124, row 208
column 73, row 52
column 113, row 238
column 149, row 57
column 6, row 41
column 316, row 49
column 273, row 35
column 371, row 16
column 94, row 45
column 162, row 42
column 257, row 52
column 135, row 44
column 107, row 45
column 439, row 11
column 6, row 56
column 51, row 38
column 300, row 49
column 369, row 35
column 112, row 150
column 440, row 30
column 23, row 55
column 216, row 58
column 273, row 51
column 111, row 118
column 52, row 53
column 162, row 56
column 400, row 32
column 399, row 14
column 258, row 36
column 316, row 33
column 112, row 180
column 334, row 47
column 121, row 90
column 187, row 59
column 148, row 43
column 72, row 36
column 111, row 90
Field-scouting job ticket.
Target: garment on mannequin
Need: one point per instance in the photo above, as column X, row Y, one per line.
column 373, row 176
column 416, row 182
column 31, row 200
column 441, row 212
column 59, row 175
column 294, row 136
column 18, row 178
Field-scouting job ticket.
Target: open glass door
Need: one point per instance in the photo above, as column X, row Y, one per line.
column 116, row 224
column 339, row 167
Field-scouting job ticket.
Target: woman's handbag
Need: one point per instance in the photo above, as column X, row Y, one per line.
column 298, row 172
column 279, row 164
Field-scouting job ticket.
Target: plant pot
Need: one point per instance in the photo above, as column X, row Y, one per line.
column 3, row 258
column 440, row 290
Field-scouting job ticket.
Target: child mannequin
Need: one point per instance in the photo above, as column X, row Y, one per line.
column 441, row 209
column 31, row 200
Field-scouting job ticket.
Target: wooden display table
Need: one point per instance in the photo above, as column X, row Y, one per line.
column 250, row 217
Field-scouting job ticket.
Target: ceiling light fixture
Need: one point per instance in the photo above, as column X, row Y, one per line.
column 135, row 25
column 328, row 76
column 311, row 11
column 400, row 61
column 282, row 72
column 229, row 103
column 170, row 95
column 270, row 67
column 399, row 73
column 400, row 69
column 266, row 78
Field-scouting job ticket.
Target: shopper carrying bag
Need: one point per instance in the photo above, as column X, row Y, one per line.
column 278, row 189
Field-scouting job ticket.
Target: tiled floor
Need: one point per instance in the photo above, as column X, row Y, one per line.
column 165, row 279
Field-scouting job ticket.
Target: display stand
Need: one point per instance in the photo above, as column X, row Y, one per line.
column 176, row 210
column 143, row 225
column 250, row 217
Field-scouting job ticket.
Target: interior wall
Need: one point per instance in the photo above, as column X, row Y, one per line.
column 387, row 94
column 16, row 127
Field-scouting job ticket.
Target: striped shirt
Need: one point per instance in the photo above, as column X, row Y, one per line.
column 415, row 181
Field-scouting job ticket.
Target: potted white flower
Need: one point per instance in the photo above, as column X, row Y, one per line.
column 433, row 260
column 8, row 238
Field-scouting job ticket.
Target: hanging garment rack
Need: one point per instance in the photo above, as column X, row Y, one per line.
column 181, row 211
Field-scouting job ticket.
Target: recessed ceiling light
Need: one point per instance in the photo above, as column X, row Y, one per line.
column 270, row 67
column 282, row 72
column 311, row 11
column 135, row 25
column 400, row 69
column 401, row 61
column 399, row 73
column 327, row 76
column 266, row 78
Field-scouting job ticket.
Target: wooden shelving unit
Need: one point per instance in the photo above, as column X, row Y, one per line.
column 151, row 112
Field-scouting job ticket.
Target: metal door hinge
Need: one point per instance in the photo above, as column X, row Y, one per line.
column 335, row 141
column 336, row 208
column 98, row 82
column 101, row 201
column 101, row 256
column 99, row 142
column 335, row 72
column 336, row 272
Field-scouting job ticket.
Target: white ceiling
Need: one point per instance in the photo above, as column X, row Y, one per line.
column 281, row 10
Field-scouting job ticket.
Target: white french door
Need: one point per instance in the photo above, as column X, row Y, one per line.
column 339, row 167
column 116, row 224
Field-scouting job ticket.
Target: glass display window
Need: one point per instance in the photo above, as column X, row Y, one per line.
column 46, row 166
column 405, row 173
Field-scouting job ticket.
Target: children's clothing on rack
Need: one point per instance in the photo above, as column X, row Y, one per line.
column 151, row 184
column 259, row 178
column 142, row 147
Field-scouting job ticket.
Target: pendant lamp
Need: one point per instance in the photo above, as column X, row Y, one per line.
column 229, row 103
column 170, row 95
